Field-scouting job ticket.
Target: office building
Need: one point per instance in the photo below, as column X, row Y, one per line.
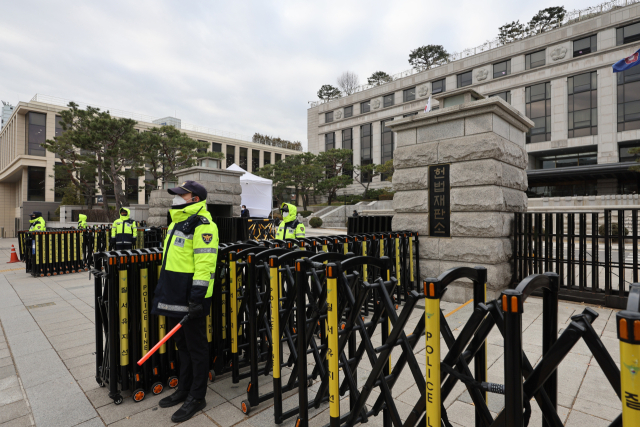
column 587, row 119
column 27, row 170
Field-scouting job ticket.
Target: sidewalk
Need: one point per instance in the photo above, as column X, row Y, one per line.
column 47, row 366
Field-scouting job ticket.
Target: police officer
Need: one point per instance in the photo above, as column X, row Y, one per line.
column 185, row 287
column 123, row 231
column 290, row 227
column 37, row 222
column 82, row 222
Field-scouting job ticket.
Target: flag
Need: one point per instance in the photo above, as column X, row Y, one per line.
column 626, row 63
column 427, row 107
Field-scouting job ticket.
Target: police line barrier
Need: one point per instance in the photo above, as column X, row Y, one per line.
column 522, row 380
column 69, row 250
column 325, row 298
column 125, row 282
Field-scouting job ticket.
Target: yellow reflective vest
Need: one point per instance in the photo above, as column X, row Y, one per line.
column 289, row 227
column 82, row 221
column 38, row 224
column 124, row 229
column 189, row 261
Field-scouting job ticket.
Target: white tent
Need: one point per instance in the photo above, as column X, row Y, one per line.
column 256, row 192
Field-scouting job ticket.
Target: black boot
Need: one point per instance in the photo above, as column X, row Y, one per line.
column 189, row 408
column 175, row 399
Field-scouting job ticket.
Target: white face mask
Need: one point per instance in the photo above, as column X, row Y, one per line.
column 177, row 200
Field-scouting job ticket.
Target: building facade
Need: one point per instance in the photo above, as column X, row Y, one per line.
column 7, row 110
column 586, row 117
column 27, row 171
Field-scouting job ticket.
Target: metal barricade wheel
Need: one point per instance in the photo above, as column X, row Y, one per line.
column 173, row 382
column 246, row 407
column 138, row 395
column 157, row 388
column 212, row 376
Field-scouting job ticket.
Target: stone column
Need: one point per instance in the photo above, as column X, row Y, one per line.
column 483, row 141
column 223, row 188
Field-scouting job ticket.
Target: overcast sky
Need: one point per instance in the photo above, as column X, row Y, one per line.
column 236, row 66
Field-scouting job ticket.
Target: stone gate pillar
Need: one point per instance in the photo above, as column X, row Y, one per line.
column 459, row 176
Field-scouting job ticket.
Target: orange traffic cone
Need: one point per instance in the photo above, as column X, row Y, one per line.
column 14, row 256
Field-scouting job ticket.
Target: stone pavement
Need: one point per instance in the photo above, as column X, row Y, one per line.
column 47, row 371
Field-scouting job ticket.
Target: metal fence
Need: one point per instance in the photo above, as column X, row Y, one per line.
column 596, row 259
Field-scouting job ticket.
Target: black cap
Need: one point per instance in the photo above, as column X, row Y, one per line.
column 189, row 187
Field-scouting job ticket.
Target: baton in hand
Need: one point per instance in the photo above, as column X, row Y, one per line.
column 163, row 340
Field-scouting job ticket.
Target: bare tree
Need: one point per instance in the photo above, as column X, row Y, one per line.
column 348, row 82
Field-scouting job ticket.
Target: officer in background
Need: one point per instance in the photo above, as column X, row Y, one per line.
column 123, row 232
column 82, row 222
column 185, row 287
column 290, row 227
column 37, row 222
column 244, row 213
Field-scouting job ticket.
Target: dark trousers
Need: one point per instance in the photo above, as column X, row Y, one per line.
column 193, row 349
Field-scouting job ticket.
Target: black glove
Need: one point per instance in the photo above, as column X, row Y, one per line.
column 195, row 310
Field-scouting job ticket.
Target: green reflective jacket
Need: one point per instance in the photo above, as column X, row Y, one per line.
column 189, row 261
column 82, row 221
column 38, row 224
column 290, row 227
column 124, row 229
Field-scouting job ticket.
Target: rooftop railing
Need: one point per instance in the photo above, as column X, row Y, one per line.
column 570, row 17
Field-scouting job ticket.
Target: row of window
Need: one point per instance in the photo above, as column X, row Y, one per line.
column 366, row 144
column 244, row 157
column 582, row 92
column 581, row 47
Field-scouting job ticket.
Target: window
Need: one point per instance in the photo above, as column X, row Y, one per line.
column 502, row 69
column 216, row 148
column 329, row 141
column 231, row 155
column 629, row 99
column 131, row 187
column 438, row 86
column 365, row 149
column 564, row 188
column 465, row 79
column 36, row 133
column 388, row 100
column 348, row 111
column 409, row 94
column 628, row 34
column 267, row 158
column 387, row 145
column 538, row 109
column 504, row 95
column 365, row 107
column 533, row 60
column 625, row 156
column 243, row 158
column 202, row 150
column 583, row 105
column 35, row 184
column 255, row 160
column 584, row 46
column 347, row 144
column 59, row 130
column 328, row 117
column 278, row 157
column 567, row 160
column 410, row 114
